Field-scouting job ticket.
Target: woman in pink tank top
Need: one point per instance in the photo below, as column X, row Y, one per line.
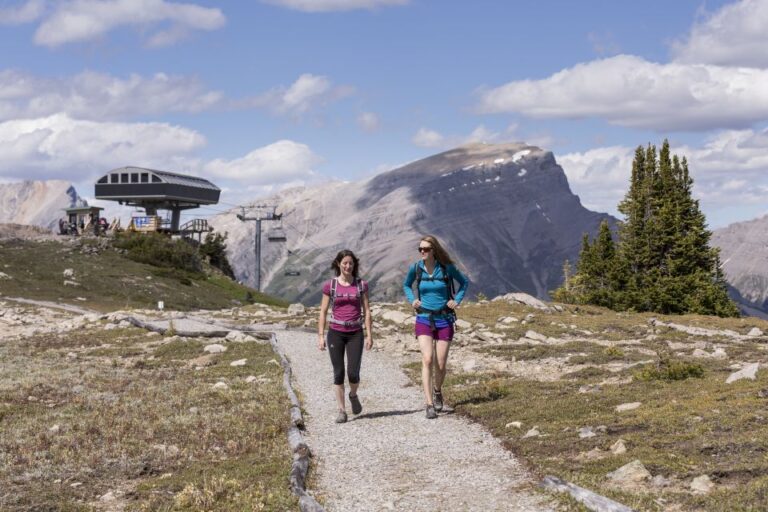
column 347, row 295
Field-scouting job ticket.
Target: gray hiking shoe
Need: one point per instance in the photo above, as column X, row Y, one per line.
column 437, row 398
column 341, row 417
column 431, row 414
column 357, row 407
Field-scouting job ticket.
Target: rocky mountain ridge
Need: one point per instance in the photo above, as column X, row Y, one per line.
column 505, row 212
column 38, row 203
column 744, row 255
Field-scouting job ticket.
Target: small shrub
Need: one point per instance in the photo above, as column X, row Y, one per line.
column 671, row 370
column 215, row 249
column 160, row 251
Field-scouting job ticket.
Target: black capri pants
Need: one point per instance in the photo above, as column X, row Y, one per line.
column 351, row 343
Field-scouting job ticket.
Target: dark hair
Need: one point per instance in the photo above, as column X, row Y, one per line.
column 336, row 263
column 441, row 255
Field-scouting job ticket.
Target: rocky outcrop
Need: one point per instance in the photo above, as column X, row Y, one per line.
column 505, row 212
column 37, row 203
column 744, row 253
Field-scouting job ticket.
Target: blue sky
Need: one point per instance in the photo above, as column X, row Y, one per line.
column 258, row 95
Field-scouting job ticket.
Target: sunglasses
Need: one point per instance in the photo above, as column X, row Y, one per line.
column 425, row 249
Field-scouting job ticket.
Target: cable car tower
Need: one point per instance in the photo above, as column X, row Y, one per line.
column 264, row 212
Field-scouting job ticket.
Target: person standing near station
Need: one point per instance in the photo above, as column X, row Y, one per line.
column 347, row 295
column 435, row 304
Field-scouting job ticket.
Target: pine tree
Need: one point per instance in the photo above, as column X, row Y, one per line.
column 662, row 261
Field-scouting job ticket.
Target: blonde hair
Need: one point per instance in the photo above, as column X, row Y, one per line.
column 441, row 255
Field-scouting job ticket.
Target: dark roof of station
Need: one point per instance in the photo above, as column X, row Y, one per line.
column 138, row 184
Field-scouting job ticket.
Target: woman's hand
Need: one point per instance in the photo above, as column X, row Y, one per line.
column 451, row 304
column 368, row 342
column 320, row 342
column 416, row 304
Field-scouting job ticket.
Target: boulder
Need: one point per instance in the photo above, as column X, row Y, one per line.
column 296, row 309
column 395, row 316
column 523, row 298
column 630, row 474
column 628, row 406
column 748, row 372
column 702, row 485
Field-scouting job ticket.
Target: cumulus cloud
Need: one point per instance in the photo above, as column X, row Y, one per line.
column 85, row 20
column 281, row 162
column 306, row 93
column 730, row 168
column 368, row 121
column 630, row 91
column 24, row 13
column 735, row 35
column 61, row 147
column 427, row 138
column 599, row 176
column 334, row 5
column 99, row 96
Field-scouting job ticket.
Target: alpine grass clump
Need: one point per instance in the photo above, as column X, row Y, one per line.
column 662, row 261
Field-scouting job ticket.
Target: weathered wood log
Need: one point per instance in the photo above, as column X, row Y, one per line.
column 300, row 450
column 589, row 499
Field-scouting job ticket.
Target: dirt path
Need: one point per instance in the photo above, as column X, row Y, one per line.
column 391, row 457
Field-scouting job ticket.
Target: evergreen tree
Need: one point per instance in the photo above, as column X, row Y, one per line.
column 662, row 261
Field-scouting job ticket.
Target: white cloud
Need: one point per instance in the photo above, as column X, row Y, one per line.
column 334, row 5
column 306, row 93
column 482, row 134
column 731, row 168
column 735, row 35
column 61, row 147
column 368, row 121
column 24, row 13
column 599, row 176
column 630, row 91
column 85, row 20
column 100, row 96
column 281, row 162
column 427, row 138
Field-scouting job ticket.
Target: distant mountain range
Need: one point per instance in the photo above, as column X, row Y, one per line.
column 505, row 212
column 38, row 203
column 744, row 256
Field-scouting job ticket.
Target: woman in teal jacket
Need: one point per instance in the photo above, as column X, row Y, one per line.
column 434, row 303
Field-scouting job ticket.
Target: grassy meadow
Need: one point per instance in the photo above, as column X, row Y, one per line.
column 123, row 420
column 689, row 423
column 105, row 280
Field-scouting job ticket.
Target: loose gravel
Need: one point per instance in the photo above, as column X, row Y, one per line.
column 390, row 457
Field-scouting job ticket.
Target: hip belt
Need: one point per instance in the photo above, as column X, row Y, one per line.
column 347, row 323
column 446, row 311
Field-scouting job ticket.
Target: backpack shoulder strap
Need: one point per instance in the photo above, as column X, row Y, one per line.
column 448, row 280
column 419, row 272
column 360, row 291
column 333, row 293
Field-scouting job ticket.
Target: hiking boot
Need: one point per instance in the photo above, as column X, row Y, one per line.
column 437, row 398
column 357, row 407
column 341, row 417
column 431, row 414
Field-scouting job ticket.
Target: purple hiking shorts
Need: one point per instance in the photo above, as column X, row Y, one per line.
column 443, row 333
